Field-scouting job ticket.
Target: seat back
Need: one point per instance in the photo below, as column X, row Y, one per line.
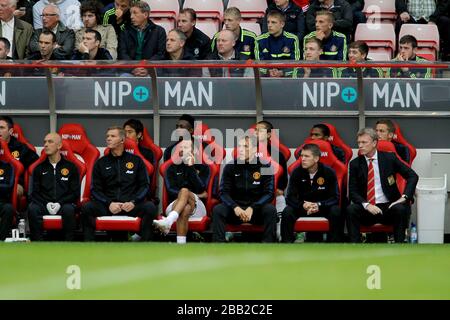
column 336, row 140
column 5, row 156
column 250, row 9
column 398, row 137
column 380, row 9
column 379, row 37
column 208, row 27
column 18, row 134
column 164, row 8
column 147, row 142
column 251, row 26
column 76, row 137
column 427, row 35
column 206, row 9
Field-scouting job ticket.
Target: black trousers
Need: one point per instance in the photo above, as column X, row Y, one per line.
column 333, row 214
column 266, row 215
column 398, row 216
column 6, row 219
column 443, row 24
column 36, row 211
column 93, row 209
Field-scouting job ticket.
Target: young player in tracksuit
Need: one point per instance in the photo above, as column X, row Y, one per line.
column 54, row 189
column 246, row 192
column 312, row 191
column 6, row 208
column 186, row 183
column 119, row 186
column 277, row 44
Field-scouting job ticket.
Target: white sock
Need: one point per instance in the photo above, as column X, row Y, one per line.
column 172, row 217
column 280, row 203
column 181, row 239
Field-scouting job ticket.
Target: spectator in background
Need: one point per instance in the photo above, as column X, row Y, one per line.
column 373, row 189
column 175, row 51
column 5, row 47
column 17, row 32
column 407, row 51
column 295, row 19
column 69, row 13
column 18, row 150
column 441, row 17
column 47, row 48
column 91, row 15
column 197, row 44
column 184, row 126
column 186, row 181
column 143, row 39
column 322, row 132
column 245, row 39
column 385, row 131
column 358, row 52
column 277, row 44
column 334, row 43
column 89, row 48
column 413, row 11
column 55, row 190
column 358, row 16
column 340, row 10
column 312, row 52
column 303, row 4
column 226, row 51
column 134, row 130
column 118, row 15
column 24, row 10
column 65, row 37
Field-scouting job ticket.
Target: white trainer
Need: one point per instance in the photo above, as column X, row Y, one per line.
column 162, row 225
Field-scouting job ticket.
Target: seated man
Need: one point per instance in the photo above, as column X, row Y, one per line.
column 373, row 189
column 322, row 132
column 385, row 130
column 313, row 192
column 295, row 19
column 358, row 52
column 313, row 51
column 197, row 43
column 246, row 192
column 407, row 51
column 89, row 48
column 6, row 208
column 55, row 189
column 134, row 130
column 185, row 122
column 120, row 185
column 47, row 49
column 186, row 182
column 18, row 150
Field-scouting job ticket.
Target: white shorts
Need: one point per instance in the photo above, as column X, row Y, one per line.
column 199, row 211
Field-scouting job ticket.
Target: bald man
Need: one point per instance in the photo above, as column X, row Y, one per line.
column 54, row 190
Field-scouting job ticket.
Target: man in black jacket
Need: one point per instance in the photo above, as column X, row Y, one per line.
column 143, row 39
column 186, row 181
column 441, row 17
column 6, row 208
column 119, row 186
column 90, row 49
column 373, row 189
column 54, row 189
column 18, row 150
column 312, row 192
column 197, row 43
column 385, row 130
column 342, row 13
column 246, row 191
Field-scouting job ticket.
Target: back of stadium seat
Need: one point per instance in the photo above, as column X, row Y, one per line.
column 329, row 159
column 78, row 140
column 124, row 223
column 5, row 156
column 336, row 140
column 208, row 27
column 380, row 9
column 207, row 9
column 195, row 224
column 379, row 37
column 398, row 137
column 427, row 36
column 164, row 9
column 250, row 9
column 18, row 134
column 54, row 222
column 251, row 26
column 147, row 142
column 378, row 56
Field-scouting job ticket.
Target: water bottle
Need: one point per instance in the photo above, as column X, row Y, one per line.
column 21, row 227
column 413, row 233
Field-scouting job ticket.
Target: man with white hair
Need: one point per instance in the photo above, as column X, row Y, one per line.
column 65, row 37
column 17, row 32
column 69, row 13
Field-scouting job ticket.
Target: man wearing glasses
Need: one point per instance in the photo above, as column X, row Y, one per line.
column 65, row 37
column 69, row 13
